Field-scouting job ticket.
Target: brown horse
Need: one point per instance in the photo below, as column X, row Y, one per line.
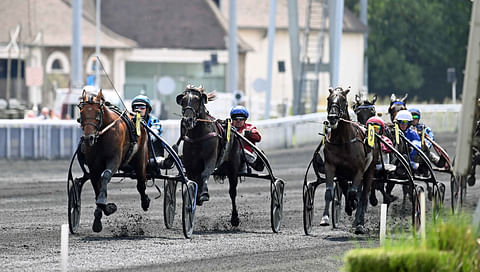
column 108, row 144
column 347, row 158
column 204, row 148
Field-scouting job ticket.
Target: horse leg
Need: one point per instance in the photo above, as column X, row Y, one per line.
column 329, row 175
column 105, row 178
column 233, row 180
column 141, row 187
column 97, row 223
column 360, row 213
column 207, row 171
column 353, row 193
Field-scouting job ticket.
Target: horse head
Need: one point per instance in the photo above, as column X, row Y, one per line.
column 337, row 106
column 396, row 105
column 193, row 101
column 91, row 116
column 363, row 108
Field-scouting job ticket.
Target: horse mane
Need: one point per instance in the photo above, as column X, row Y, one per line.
column 211, row 96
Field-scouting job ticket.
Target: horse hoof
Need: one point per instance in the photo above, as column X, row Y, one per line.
column 145, row 203
column 471, row 180
column 110, row 208
column 360, row 229
column 325, row 221
column 373, row 201
column 235, row 221
column 204, row 197
column 97, row 223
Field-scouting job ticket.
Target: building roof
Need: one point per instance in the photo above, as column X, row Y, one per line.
column 54, row 19
column 254, row 14
column 179, row 24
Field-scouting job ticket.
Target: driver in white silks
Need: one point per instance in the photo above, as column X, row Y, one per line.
column 239, row 115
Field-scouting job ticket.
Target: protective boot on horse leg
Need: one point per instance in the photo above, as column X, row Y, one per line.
column 101, row 201
column 328, row 199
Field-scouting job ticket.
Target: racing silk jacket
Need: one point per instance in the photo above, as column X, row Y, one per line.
column 254, row 137
column 154, row 124
column 419, row 127
column 413, row 137
column 388, row 141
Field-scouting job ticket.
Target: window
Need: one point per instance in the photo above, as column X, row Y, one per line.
column 58, row 63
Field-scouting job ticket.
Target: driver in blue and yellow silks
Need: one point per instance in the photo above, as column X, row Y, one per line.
column 418, row 127
column 141, row 103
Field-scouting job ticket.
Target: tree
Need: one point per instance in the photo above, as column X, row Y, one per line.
column 411, row 44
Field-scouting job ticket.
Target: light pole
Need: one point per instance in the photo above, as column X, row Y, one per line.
column 452, row 78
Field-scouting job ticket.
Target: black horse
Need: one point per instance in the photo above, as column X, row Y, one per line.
column 205, row 149
column 396, row 105
column 363, row 108
column 347, row 158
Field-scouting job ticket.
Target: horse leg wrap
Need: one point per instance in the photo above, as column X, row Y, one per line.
column 102, row 195
column 97, row 223
column 329, row 194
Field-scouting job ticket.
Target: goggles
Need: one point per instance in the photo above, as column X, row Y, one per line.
column 415, row 116
column 377, row 127
column 405, row 122
column 140, row 106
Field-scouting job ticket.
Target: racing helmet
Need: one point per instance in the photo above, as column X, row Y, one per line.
column 415, row 113
column 403, row 115
column 239, row 112
column 142, row 100
column 377, row 121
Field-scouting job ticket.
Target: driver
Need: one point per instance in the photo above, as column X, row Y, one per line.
column 141, row 103
column 239, row 115
column 404, row 120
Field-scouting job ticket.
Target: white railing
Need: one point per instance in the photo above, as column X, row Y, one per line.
column 58, row 139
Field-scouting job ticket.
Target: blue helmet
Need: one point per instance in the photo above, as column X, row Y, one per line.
column 239, row 111
column 415, row 112
column 142, row 99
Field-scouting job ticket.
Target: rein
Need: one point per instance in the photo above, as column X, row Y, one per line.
column 111, row 124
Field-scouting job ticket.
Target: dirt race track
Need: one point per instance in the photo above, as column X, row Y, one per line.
column 33, row 206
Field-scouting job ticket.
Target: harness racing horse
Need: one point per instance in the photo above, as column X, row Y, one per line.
column 363, row 108
column 396, row 105
column 108, row 144
column 347, row 158
column 204, row 148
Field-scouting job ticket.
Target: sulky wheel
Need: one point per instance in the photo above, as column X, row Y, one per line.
column 169, row 202
column 188, row 208
column 276, row 207
column 308, row 207
column 458, row 191
column 336, row 205
column 437, row 200
column 416, row 208
column 74, row 204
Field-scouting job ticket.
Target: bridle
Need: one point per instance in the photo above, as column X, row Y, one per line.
column 84, row 121
column 335, row 104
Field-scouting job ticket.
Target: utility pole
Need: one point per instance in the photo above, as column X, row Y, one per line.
column 364, row 20
column 232, row 48
column 97, row 46
column 271, row 40
column 335, row 10
column 76, row 76
column 294, row 53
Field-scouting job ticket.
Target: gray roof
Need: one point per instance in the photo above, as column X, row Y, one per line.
column 254, row 14
column 54, row 19
column 183, row 24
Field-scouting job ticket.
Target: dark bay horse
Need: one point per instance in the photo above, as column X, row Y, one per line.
column 364, row 108
column 396, row 105
column 204, row 147
column 108, row 144
column 347, row 158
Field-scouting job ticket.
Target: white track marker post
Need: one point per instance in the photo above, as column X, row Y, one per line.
column 383, row 223
column 64, row 248
column 476, row 219
column 422, row 215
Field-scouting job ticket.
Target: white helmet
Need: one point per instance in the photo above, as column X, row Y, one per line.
column 404, row 115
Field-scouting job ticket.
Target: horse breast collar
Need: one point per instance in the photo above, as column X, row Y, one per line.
column 355, row 138
column 216, row 133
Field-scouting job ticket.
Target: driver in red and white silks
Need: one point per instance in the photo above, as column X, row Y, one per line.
column 239, row 115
